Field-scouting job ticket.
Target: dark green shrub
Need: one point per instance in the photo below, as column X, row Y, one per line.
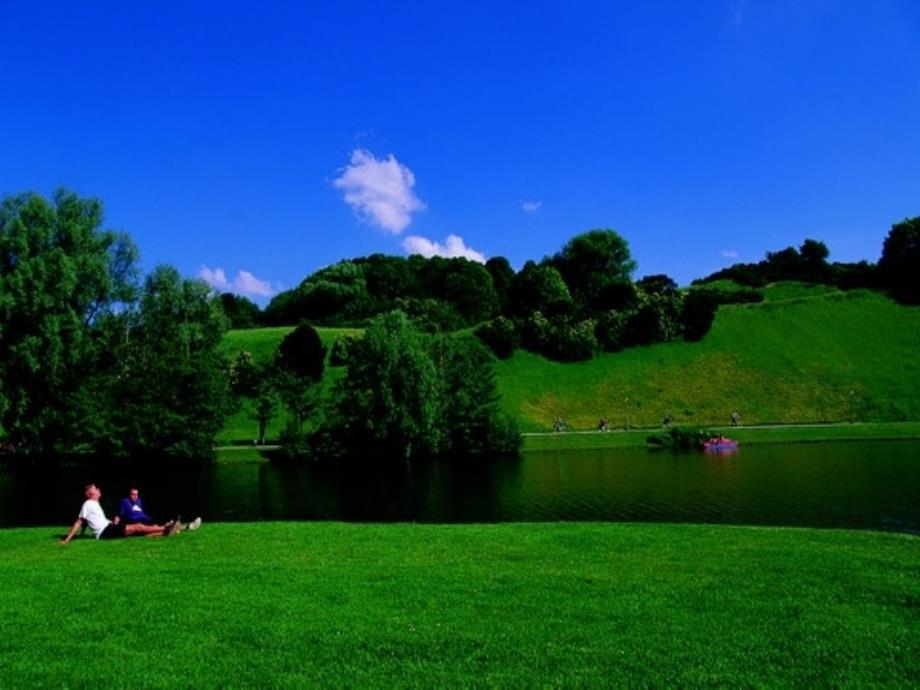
column 657, row 320
column 699, row 312
column 610, row 329
column 500, row 336
column 302, row 353
column 431, row 315
column 677, row 438
column 560, row 338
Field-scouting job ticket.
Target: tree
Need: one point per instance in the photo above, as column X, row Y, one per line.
column 303, row 354
column 471, row 419
column 266, row 405
column 300, row 360
column 241, row 312
column 388, row 402
column 814, row 261
column 464, row 284
column 658, row 284
column 593, row 259
column 900, row 262
column 172, row 393
column 63, row 281
column 538, row 288
column 502, row 275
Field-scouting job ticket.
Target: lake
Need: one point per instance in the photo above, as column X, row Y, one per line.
column 872, row 485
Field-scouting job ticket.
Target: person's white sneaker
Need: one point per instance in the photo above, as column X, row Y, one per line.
column 194, row 524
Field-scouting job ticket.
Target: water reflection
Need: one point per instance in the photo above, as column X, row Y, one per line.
column 862, row 485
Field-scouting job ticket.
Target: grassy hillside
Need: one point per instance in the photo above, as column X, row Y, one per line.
column 835, row 357
column 327, row 604
column 262, row 343
column 807, row 354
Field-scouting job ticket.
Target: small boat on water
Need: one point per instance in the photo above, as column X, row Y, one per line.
column 720, row 443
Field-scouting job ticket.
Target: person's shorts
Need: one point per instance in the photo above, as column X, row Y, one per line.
column 113, row 531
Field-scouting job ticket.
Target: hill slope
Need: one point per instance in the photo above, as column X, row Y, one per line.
column 829, row 358
column 804, row 355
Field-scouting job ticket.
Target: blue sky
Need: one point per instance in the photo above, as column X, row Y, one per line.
column 253, row 143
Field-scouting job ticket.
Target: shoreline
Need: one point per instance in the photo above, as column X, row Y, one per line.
column 755, row 434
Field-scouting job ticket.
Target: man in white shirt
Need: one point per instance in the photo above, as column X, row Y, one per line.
column 92, row 515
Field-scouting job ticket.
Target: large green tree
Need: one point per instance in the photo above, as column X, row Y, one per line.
column 63, row 280
column 388, row 403
column 470, row 416
column 592, row 260
column 173, row 392
column 406, row 394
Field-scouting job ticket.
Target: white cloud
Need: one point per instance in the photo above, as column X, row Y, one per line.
column 453, row 247
column 244, row 284
column 730, row 254
column 531, row 206
column 379, row 191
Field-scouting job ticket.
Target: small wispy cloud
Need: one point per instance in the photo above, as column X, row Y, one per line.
column 245, row 283
column 452, row 247
column 379, row 190
column 730, row 254
column 531, row 206
column 736, row 11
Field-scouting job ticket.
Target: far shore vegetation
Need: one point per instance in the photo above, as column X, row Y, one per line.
column 413, row 357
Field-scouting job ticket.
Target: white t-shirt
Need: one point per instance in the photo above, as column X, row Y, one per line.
column 95, row 518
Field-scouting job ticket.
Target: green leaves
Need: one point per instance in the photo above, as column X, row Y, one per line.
column 407, row 395
column 60, row 275
column 84, row 363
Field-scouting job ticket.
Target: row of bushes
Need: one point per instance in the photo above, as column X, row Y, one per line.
column 568, row 338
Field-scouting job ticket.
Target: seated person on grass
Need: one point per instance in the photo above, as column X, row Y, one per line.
column 131, row 510
column 92, row 515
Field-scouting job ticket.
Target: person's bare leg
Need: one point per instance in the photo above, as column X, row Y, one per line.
column 148, row 530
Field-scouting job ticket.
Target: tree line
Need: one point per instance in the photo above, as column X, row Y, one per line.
column 95, row 357
column 570, row 305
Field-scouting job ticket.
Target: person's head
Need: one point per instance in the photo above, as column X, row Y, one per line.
column 133, row 493
column 92, row 492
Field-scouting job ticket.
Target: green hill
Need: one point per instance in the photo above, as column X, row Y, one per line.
column 832, row 357
column 805, row 354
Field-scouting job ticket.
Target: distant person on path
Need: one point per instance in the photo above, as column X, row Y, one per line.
column 558, row 425
column 666, row 421
column 602, row 425
column 736, row 418
column 92, row 516
column 131, row 509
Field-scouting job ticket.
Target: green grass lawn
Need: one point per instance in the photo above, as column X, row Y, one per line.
column 307, row 604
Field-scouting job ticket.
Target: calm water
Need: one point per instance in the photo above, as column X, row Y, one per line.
column 859, row 485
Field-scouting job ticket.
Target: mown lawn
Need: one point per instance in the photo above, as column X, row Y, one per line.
column 306, row 604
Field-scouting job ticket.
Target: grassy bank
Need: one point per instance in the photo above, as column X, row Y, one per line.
column 803, row 433
column 295, row 604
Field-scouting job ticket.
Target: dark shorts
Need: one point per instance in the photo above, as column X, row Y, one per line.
column 113, row 531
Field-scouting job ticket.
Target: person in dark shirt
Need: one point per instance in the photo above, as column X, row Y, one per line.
column 131, row 510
